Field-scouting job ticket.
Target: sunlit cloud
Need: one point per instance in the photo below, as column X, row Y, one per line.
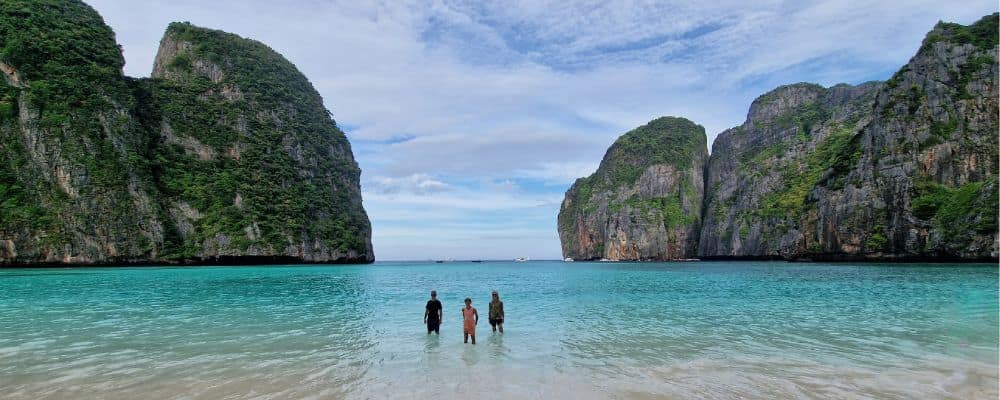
column 419, row 184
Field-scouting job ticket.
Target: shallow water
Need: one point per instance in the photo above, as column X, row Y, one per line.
column 574, row 330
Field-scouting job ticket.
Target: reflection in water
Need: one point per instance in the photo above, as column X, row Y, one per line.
column 580, row 331
column 433, row 342
column 470, row 354
column 498, row 350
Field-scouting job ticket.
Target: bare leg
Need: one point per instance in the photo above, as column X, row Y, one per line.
column 473, row 338
column 494, row 328
column 501, row 328
column 467, row 339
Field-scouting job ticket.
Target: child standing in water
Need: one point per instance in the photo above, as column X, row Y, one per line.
column 471, row 318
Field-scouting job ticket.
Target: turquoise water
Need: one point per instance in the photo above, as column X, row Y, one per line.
column 574, row 330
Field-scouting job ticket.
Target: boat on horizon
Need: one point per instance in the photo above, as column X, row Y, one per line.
column 521, row 259
column 567, row 259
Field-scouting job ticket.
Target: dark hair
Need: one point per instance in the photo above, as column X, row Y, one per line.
column 468, row 300
column 434, row 293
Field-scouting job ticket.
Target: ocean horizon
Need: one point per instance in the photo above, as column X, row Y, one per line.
column 577, row 330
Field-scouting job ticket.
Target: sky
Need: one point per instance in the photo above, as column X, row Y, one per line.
column 471, row 119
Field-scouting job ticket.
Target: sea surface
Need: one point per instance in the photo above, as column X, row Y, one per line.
column 725, row 330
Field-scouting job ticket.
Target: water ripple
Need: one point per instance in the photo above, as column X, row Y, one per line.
column 575, row 331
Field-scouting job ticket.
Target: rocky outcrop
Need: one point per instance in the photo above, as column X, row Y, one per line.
column 245, row 133
column 644, row 201
column 899, row 170
column 761, row 172
column 923, row 183
column 225, row 155
column 904, row 169
column 71, row 188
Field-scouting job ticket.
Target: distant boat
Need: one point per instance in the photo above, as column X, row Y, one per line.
column 445, row 260
column 521, row 259
column 477, row 261
column 567, row 259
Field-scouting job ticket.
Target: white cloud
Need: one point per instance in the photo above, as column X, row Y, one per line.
column 419, row 184
column 496, row 153
column 420, row 204
column 559, row 173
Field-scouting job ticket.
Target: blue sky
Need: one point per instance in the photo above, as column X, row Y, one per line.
column 471, row 119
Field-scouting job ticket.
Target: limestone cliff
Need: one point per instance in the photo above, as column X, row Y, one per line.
column 644, row 201
column 905, row 169
column 761, row 173
column 226, row 155
column 73, row 184
column 923, row 183
column 899, row 170
column 251, row 162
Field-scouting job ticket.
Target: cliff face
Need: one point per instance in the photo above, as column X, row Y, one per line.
column 761, row 173
column 925, row 182
column 903, row 169
column 250, row 160
column 644, row 201
column 72, row 177
column 226, row 155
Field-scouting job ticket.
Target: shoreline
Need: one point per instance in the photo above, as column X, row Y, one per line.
column 829, row 258
column 231, row 261
column 208, row 261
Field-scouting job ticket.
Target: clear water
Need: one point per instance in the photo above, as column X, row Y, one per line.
column 576, row 331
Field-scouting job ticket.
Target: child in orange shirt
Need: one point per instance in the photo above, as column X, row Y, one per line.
column 471, row 318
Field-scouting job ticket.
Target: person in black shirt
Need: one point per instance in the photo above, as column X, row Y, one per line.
column 433, row 314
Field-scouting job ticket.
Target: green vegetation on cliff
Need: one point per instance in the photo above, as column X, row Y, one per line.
column 671, row 211
column 831, row 159
column 668, row 203
column 284, row 164
column 18, row 205
column 982, row 33
column 67, row 53
column 61, row 62
column 867, row 171
column 967, row 207
column 803, row 117
column 667, row 140
column 796, row 138
column 228, row 152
